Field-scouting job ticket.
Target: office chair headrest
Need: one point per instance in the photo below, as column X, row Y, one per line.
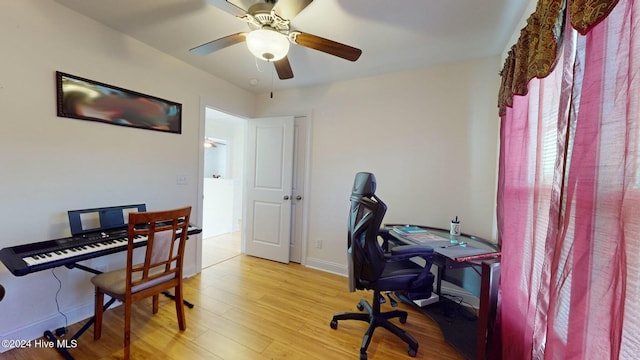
column 364, row 184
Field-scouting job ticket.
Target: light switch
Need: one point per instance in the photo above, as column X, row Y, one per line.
column 182, row 179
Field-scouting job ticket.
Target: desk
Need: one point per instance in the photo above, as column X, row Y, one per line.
column 488, row 269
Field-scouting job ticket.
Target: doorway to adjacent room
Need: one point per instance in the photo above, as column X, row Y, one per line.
column 224, row 145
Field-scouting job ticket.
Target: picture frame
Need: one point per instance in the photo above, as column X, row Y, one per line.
column 85, row 99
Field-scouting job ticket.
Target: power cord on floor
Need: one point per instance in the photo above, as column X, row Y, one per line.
column 459, row 310
column 60, row 331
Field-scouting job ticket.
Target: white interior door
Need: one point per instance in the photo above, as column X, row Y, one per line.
column 268, row 187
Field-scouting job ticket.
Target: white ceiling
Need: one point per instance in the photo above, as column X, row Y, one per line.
column 393, row 35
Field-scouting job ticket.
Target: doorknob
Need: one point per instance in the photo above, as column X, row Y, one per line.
column 299, row 197
column 286, row 197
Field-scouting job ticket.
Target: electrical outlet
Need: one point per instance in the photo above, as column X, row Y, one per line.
column 319, row 243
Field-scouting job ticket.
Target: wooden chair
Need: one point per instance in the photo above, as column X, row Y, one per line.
column 166, row 233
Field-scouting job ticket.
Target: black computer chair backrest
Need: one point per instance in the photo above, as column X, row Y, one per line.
column 366, row 215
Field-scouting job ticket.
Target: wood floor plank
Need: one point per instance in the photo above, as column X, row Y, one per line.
column 251, row 308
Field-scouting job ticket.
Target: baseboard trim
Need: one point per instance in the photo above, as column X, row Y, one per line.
column 36, row 330
column 328, row 266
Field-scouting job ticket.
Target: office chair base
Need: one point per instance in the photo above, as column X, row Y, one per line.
column 375, row 318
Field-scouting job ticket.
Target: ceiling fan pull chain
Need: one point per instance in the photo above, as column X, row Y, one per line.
column 272, row 70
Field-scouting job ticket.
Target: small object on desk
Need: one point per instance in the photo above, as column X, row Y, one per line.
column 461, row 243
column 448, row 246
column 454, row 231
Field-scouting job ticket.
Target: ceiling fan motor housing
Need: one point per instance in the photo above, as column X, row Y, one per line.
column 260, row 16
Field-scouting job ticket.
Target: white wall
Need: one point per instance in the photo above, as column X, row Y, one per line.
column 428, row 135
column 531, row 8
column 49, row 165
column 217, row 212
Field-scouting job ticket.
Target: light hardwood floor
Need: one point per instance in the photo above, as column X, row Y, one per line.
column 250, row 308
column 219, row 248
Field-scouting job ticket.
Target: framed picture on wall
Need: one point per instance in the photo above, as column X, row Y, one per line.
column 86, row 99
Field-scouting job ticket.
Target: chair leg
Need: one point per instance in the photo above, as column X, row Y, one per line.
column 372, row 314
column 182, row 324
column 127, row 329
column 156, row 301
column 97, row 325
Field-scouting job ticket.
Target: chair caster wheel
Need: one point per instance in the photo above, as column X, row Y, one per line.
column 412, row 352
column 334, row 324
column 403, row 319
column 363, row 356
column 360, row 307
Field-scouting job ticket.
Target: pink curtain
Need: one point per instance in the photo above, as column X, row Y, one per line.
column 569, row 201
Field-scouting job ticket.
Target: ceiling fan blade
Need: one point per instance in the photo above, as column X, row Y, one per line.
column 283, row 68
column 288, row 9
column 228, row 6
column 215, row 45
column 325, row 45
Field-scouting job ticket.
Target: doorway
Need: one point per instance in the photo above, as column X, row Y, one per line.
column 224, row 144
column 225, row 137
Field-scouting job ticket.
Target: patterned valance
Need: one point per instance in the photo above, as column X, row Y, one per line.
column 585, row 14
column 534, row 55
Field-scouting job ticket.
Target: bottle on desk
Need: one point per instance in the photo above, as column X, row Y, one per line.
column 454, row 231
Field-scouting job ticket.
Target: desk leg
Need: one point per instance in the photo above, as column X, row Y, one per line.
column 488, row 304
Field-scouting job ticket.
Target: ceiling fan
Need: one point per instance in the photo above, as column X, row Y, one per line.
column 270, row 34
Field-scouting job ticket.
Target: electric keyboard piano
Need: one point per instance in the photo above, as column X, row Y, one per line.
column 111, row 237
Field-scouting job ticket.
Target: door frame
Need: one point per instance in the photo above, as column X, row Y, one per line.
column 305, row 173
column 208, row 103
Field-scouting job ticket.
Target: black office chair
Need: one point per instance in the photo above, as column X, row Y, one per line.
column 375, row 266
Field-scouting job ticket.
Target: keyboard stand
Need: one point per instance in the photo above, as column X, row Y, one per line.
column 63, row 346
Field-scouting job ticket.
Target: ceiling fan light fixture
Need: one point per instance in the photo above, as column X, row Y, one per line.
column 268, row 45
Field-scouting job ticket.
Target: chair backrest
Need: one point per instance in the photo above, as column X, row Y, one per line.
column 365, row 218
column 166, row 233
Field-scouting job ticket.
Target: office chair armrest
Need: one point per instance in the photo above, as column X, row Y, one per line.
column 409, row 251
column 384, row 234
